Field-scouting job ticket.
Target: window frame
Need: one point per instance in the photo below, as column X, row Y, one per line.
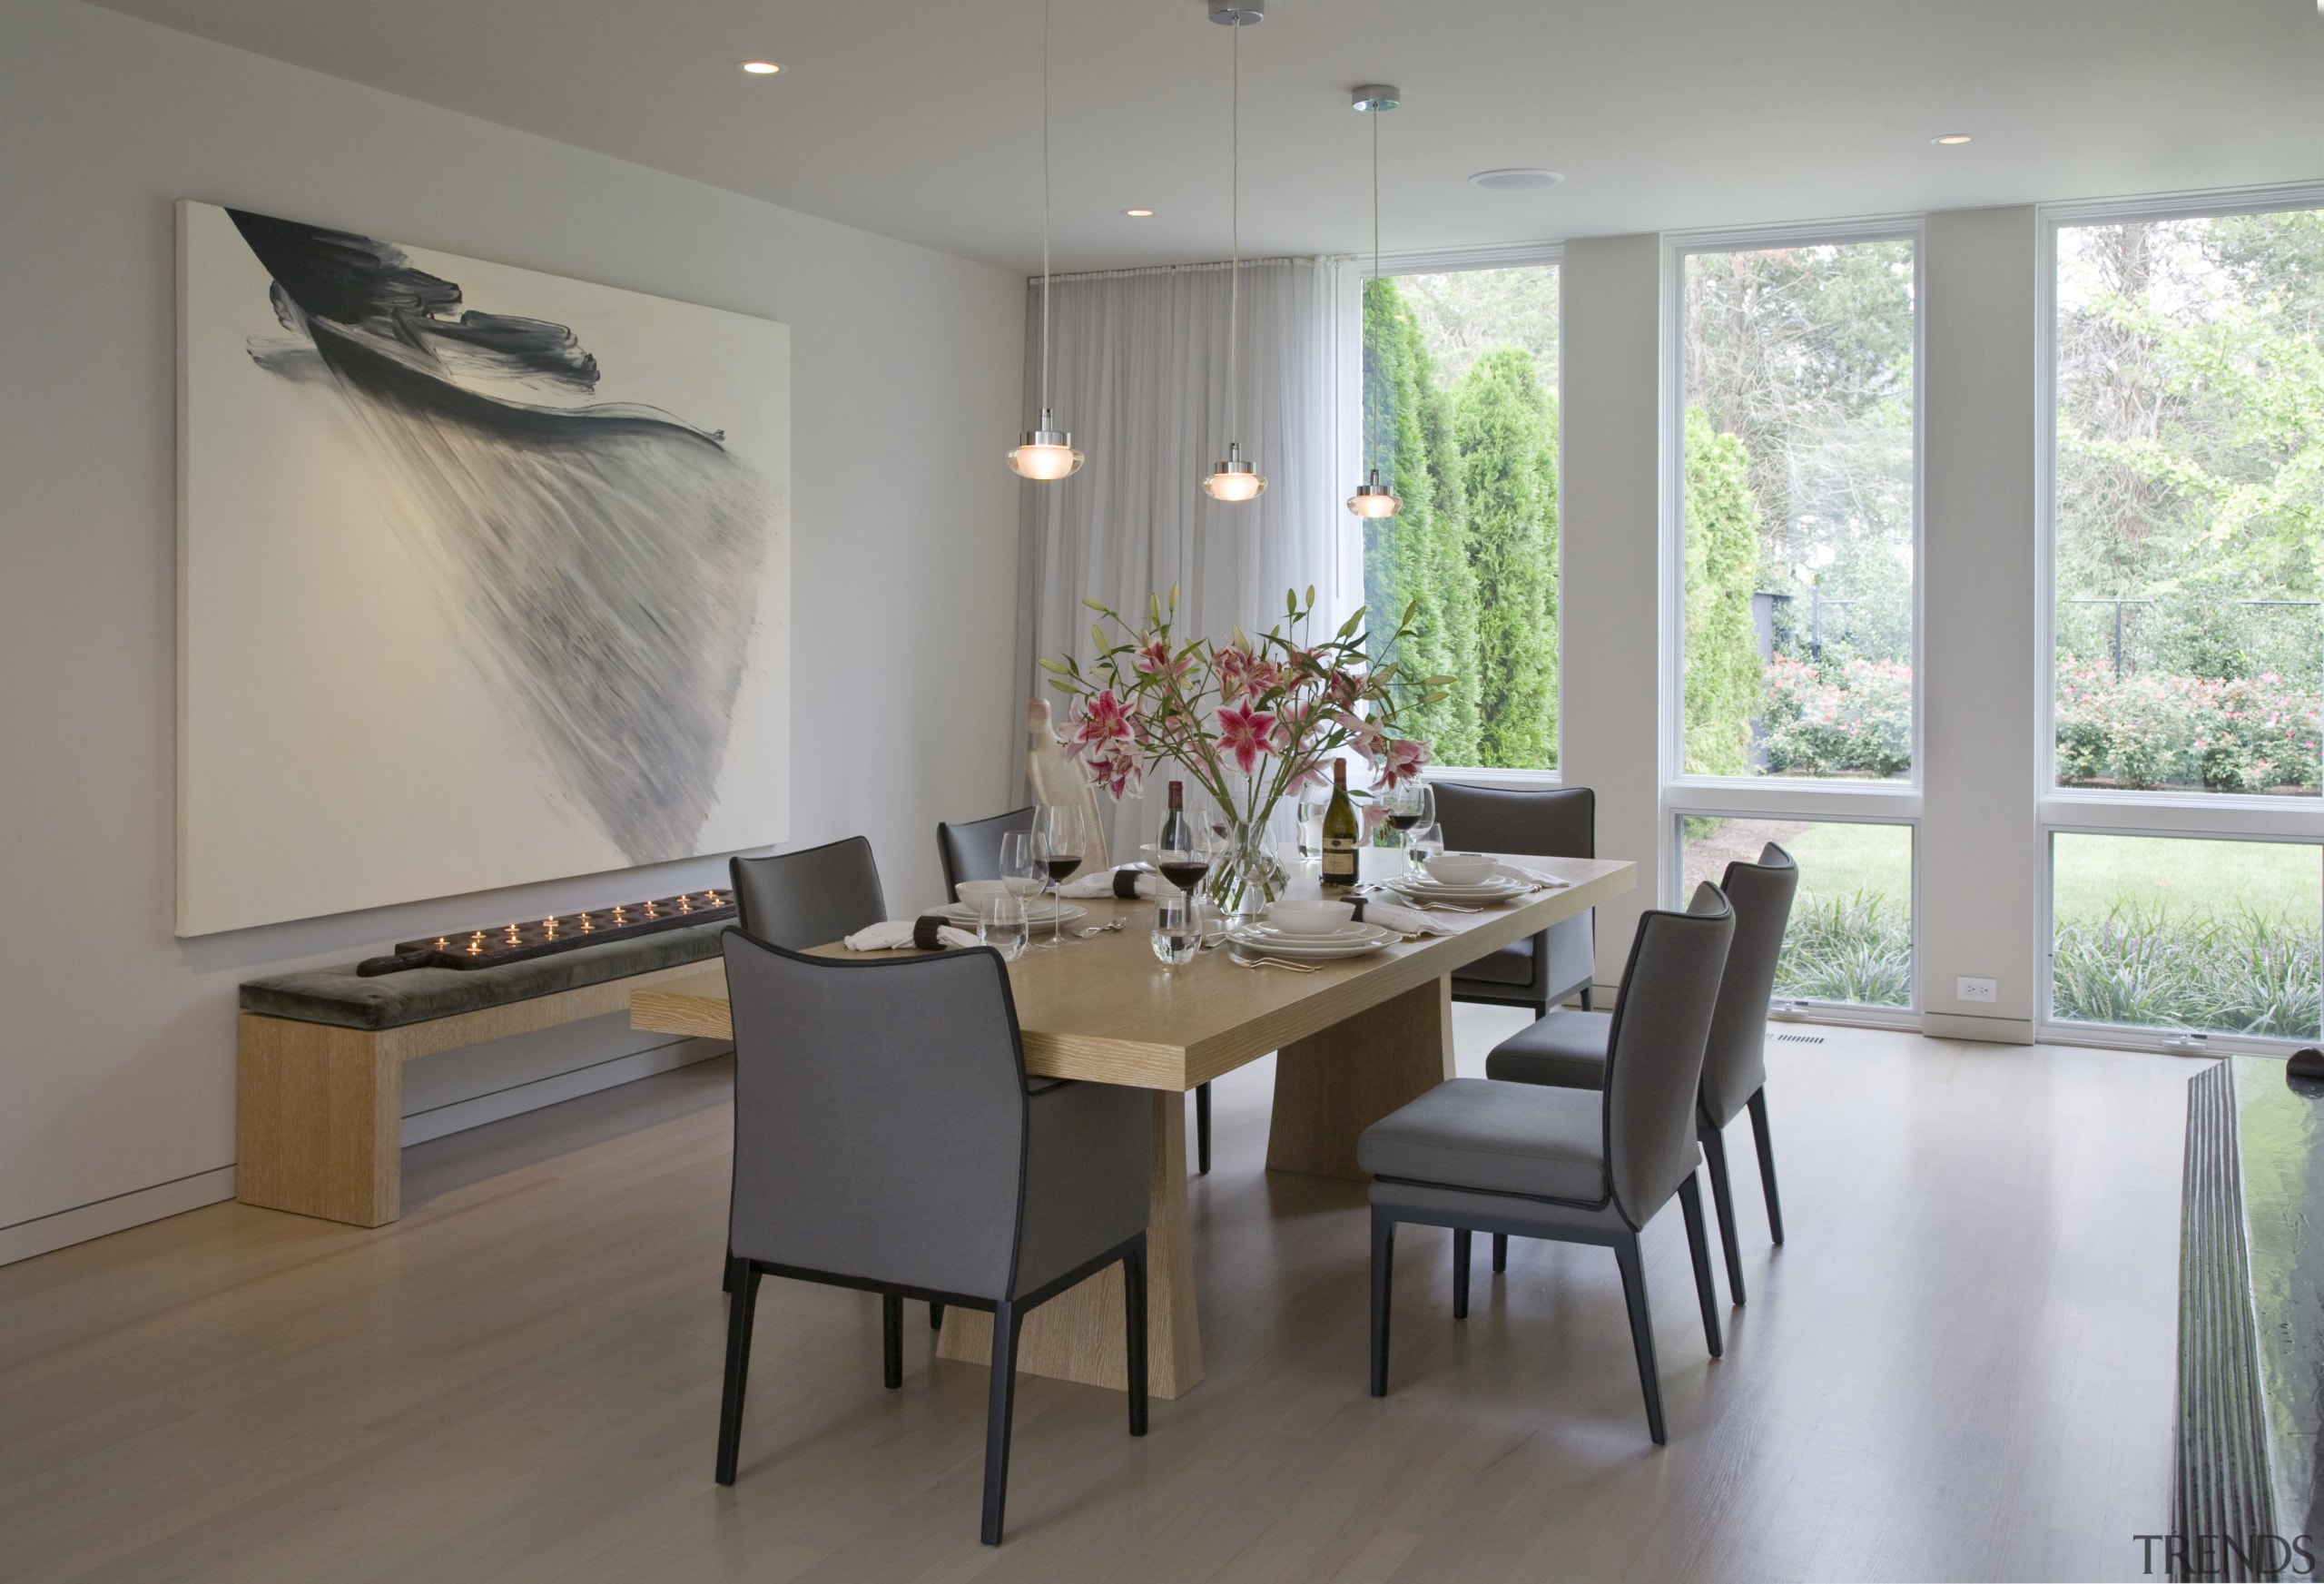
column 2062, row 810
column 1459, row 261
column 1763, row 797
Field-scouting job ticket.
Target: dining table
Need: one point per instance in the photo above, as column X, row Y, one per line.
column 1354, row 1039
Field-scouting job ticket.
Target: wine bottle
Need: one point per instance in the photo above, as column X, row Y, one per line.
column 1182, row 862
column 1342, row 829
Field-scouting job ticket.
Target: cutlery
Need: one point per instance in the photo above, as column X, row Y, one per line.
column 1270, row 962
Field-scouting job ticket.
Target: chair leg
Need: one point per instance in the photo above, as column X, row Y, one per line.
column 892, row 1339
column 742, row 1283
column 1626, row 1256
column 935, row 1317
column 1007, row 1321
column 1459, row 1273
column 1767, row 1163
column 1501, row 1250
column 1691, row 1201
column 1587, row 1004
column 728, row 1277
column 1722, row 1198
column 1383, row 1265
column 1134, row 1315
column 1202, row 1129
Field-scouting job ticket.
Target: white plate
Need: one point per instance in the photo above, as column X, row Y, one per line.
column 1035, row 912
column 1339, row 935
column 1429, row 890
column 1312, row 949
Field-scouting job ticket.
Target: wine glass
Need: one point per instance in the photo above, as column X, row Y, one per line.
column 1409, row 805
column 1185, row 866
column 1177, row 935
column 1063, row 830
column 1024, row 865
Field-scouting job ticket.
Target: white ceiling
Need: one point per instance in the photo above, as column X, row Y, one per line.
column 919, row 119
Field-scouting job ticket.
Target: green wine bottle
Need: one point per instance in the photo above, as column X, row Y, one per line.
column 1342, row 831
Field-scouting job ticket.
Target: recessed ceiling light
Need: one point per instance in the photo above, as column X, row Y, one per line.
column 1516, row 179
column 1138, row 213
column 1951, row 139
column 761, row 68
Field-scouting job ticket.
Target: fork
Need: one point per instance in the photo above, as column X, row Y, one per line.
column 1270, row 962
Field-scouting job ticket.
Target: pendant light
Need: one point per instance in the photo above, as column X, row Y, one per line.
column 1046, row 451
column 1235, row 479
column 1374, row 498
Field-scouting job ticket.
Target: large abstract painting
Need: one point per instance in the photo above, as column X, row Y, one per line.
column 484, row 575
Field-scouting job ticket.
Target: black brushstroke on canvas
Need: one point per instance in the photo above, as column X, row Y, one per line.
column 602, row 559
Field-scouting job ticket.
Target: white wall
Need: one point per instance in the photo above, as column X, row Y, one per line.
column 116, row 1039
column 1608, row 548
column 1980, row 906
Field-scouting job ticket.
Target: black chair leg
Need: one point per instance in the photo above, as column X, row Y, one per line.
column 1587, row 1004
column 892, row 1339
column 1767, row 1163
column 935, row 1317
column 742, row 1283
column 1691, row 1201
column 1626, row 1256
column 1007, row 1321
column 1202, row 1129
column 1459, row 1273
column 728, row 1278
column 1501, row 1250
column 1383, row 1265
column 1134, row 1315
column 1722, row 1198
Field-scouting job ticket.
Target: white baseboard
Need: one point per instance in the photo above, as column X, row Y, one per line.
column 43, row 1234
column 1977, row 1026
column 421, row 1126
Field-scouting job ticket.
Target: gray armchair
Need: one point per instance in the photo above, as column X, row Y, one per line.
column 886, row 1139
column 972, row 850
column 1568, row 1049
column 1477, row 1154
column 1561, row 822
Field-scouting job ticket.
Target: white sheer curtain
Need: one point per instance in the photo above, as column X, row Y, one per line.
column 1140, row 380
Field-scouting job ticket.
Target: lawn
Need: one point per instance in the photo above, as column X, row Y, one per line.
column 2280, row 882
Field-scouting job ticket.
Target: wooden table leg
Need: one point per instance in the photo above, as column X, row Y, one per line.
column 1078, row 1334
column 318, row 1121
column 1330, row 1087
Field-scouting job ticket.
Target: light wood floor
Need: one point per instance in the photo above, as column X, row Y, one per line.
column 1960, row 1367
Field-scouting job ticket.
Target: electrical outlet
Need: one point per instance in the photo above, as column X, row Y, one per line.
column 1975, row 989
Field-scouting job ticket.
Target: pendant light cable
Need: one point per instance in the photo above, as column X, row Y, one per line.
column 1233, row 226
column 1047, row 451
column 1045, row 209
column 1375, row 254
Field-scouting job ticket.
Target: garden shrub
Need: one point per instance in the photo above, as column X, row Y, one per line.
column 2241, row 973
column 1827, row 719
column 1857, row 949
column 2250, row 734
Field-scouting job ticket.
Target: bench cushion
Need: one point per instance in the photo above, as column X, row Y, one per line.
column 341, row 996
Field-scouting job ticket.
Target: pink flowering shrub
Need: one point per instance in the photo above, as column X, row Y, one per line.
column 1825, row 720
column 1273, row 710
column 2248, row 734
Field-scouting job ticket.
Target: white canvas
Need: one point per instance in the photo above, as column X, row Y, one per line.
column 476, row 587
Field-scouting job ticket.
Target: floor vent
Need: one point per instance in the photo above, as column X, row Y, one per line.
column 1800, row 1038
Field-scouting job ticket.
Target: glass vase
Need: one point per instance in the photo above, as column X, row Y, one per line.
column 1248, row 875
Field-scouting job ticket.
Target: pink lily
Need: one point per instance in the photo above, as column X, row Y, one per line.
column 1246, row 735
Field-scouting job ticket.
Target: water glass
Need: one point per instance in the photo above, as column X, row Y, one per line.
column 1177, row 935
column 1422, row 842
column 1000, row 924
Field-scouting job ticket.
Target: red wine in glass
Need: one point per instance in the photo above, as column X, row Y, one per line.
column 1183, row 873
column 1404, row 821
column 1061, row 866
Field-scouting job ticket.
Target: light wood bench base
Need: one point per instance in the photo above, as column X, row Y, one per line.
column 318, row 1108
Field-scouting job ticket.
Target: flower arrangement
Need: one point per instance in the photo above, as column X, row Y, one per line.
column 1249, row 720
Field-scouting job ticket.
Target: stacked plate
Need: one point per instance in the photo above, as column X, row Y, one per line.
column 1039, row 910
column 1422, row 887
column 1261, row 939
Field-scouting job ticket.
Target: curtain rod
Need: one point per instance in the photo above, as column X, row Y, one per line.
column 1164, row 269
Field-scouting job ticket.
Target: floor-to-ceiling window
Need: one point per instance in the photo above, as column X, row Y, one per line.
column 2184, row 511
column 1792, row 512
column 1460, row 416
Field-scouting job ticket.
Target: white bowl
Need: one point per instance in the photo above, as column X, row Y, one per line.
column 973, row 892
column 1310, row 918
column 1461, row 869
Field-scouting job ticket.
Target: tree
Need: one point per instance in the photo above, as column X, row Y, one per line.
column 1722, row 540
column 1506, row 430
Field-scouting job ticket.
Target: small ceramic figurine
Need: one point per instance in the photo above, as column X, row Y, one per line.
column 1052, row 775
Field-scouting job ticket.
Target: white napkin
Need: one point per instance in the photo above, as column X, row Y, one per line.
column 896, row 933
column 1531, row 876
column 1101, row 884
column 1402, row 920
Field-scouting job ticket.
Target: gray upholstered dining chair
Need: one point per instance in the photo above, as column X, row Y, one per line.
column 972, row 852
column 1478, row 1154
column 886, row 1139
column 1568, row 1049
column 1555, row 823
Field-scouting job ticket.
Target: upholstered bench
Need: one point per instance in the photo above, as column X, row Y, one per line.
column 319, row 1055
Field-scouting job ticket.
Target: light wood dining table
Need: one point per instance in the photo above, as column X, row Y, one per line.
column 1354, row 1040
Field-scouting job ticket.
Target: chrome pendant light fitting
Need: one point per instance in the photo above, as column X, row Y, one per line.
column 1372, row 498
column 1046, row 451
column 1235, row 479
